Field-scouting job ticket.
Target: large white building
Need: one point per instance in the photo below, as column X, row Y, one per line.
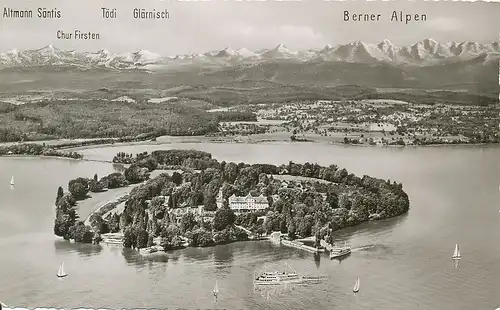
column 246, row 203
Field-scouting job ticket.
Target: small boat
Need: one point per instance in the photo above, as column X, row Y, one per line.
column 216, row 289
column 339, row 251
column 60, row 272
column 12, row 180
column 456, row 253
column 355, row 289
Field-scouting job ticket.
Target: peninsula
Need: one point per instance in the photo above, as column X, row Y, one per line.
column 199, row 201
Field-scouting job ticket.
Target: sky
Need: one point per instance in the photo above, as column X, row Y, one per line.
column 200, row 26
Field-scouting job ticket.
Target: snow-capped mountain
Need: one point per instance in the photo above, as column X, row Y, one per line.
column 279, row 52
column 423, row 53
column 230, row 53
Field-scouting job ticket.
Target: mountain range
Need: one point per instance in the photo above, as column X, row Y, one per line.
column 427, row 52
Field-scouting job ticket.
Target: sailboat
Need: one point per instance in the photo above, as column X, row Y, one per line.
column 355, row 289
column 456, row 253
column 60, row 272
column 216, row 289
column 12, row 180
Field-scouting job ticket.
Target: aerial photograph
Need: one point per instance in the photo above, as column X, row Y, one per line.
column 249, row 155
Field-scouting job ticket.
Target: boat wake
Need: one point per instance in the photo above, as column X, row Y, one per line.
column 268, row 291
column 372, row 248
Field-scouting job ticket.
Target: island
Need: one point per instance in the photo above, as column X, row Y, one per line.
column 198, row 201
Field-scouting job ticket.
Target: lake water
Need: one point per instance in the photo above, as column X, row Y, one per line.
column 403, row 263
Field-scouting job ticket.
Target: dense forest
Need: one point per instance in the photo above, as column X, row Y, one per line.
column 36, row 149
column 314, row 200
column 97, row 119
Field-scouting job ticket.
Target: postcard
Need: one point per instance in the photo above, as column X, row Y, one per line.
column 249, row 154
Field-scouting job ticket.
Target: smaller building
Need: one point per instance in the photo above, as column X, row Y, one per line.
column 198, row 212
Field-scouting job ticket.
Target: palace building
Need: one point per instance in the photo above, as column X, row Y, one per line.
column 246, row 203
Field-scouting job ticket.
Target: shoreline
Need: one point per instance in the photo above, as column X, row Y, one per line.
column 95, row 204
column 57, row 157
column 202, row 139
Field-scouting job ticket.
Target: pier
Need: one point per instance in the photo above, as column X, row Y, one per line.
column 299, row 245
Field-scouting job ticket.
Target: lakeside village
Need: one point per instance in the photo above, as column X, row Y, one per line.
column 202, row 202
column 369, row 122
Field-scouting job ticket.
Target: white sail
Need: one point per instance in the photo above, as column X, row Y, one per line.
column 356, row 286
column 12, row 180
column 60, row 272
column 456, row 253
column 216, row 288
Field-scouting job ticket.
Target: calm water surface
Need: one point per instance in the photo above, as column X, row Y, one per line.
column 403, row 263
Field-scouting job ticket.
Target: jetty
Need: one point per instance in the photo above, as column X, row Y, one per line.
column 277, row 237
column 300, row 245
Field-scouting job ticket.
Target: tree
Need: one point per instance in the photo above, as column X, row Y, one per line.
column 82, row 233
column 79, row 190
column 200, row 237
column 116, row 180
column 205, row 237
column 66, row 216
column 129, row 237
column 187, row 222
column 305, row 226
column 60, row 193
column 135, row 174
column 98, row 224
column 157, row 207
column 142, row 238
column 150, row 241
column 177, row 178
column 114, row 223
column 345, row 202
column 210, row 203
column 291, row 229
column 223, row 218
column 260, row 231
column 332, row 199
column 170, row 232
column 222, row 237
column 95, row 186
column 317, row 242
column 95, row 177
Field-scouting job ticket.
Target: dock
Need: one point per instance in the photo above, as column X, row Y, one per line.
column 299, row 245
column 326, row 245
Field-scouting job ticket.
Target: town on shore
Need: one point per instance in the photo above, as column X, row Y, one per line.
column 198, row 201
column 347, row 114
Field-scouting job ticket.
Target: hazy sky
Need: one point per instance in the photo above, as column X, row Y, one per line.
column 196, row 26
